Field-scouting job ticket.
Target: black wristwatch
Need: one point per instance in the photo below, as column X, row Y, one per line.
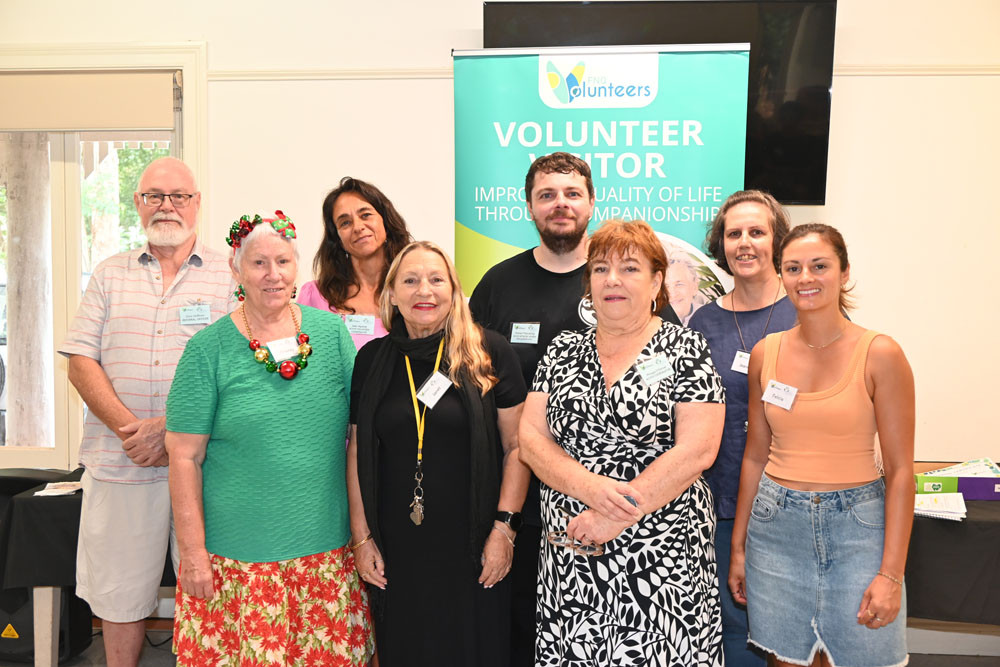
column 512, row 519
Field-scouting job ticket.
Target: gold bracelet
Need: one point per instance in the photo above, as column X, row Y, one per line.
column 504, row 533
column 355, row 547
column 890, row 577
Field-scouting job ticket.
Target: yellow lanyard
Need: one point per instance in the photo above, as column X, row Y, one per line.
column 421, row 418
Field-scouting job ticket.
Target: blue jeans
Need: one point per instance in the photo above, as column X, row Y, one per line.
column 810, row 557
column 738, row 653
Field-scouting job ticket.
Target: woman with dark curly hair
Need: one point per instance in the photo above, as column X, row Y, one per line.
column 362, row 233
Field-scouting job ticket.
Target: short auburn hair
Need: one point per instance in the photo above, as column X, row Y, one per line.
column 621, row 237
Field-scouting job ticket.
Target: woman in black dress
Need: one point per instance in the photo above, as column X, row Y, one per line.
column 434, row 477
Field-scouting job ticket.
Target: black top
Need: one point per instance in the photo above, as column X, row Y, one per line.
column 435, row 613
column 519, row 290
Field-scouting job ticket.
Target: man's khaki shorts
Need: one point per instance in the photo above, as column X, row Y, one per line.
column 124, row 532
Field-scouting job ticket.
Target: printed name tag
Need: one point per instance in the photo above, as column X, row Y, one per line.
column 283, row 348
column 524, row 332
column 654, row 369
column 741, row 362
column 433, row 389
column 360, row 324
column 200, row 313
column 779, row 394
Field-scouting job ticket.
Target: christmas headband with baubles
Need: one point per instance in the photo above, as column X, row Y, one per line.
column 242, row 228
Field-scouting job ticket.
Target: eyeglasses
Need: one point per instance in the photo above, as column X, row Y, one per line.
column 559, row 538
column 179, row 200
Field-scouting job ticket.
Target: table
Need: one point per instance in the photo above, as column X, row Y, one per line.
column 41, row 536
column 953, row 568
column 952, row 573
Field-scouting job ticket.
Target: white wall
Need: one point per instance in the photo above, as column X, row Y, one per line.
column 301, row 93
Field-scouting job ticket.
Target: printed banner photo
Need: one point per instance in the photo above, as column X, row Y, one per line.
column 662, row 128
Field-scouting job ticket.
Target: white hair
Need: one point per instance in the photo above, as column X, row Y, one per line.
column 263, row 229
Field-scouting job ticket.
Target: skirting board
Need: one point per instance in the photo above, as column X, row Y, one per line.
column 941, row 637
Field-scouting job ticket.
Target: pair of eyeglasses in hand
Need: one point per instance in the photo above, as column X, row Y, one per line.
column 559, row 538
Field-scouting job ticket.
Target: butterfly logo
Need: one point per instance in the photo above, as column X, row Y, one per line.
column 566, row 87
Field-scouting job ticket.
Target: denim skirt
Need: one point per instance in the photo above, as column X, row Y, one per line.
column 809, row 558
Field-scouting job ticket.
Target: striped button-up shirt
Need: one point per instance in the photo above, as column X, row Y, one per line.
column 134, row 329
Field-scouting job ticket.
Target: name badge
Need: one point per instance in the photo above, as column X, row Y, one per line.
column 524, row 332
column 433, row 389
column 654, row 369
column 741, row 362
column 200, row 313
column 780, row 394
column 360, row 324
column 283, row 348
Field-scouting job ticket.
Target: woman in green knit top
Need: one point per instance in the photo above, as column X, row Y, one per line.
column 256, row 420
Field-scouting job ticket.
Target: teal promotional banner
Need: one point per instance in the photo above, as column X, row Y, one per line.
column 663, row 129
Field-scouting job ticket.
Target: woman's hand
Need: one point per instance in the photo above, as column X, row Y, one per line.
column 881, row 602
column 196, row 575
column 738, row 577
column 592, row 527
column 610, row 498
column 498, row 554
column 370, row 566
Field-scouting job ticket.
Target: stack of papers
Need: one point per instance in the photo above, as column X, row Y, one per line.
column 978, row 479
column 984, row 467
column 940, row 506
column 59, row 489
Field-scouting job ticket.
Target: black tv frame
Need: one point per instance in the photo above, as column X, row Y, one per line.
column 788, row 131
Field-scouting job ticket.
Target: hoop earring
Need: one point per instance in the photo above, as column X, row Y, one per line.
column 653, row 309
column 240, row 293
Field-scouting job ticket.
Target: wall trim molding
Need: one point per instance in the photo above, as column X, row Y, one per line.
column 916, row 70
column 444, row 73
column 400, row 73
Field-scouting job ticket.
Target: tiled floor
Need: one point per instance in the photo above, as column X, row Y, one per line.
column 921, row 660
column 162, row 657
column 156, row 652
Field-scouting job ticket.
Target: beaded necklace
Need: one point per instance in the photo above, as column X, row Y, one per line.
column 288, row 368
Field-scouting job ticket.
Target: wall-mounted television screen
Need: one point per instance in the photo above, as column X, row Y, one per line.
column 791, row 67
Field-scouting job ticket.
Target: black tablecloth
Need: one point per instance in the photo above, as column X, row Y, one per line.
column 952, row 573
column 953, row 569
column 41, row 539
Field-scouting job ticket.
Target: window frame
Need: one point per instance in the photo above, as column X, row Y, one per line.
column 191, row 60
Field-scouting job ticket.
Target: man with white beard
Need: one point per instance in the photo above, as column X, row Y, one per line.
column 137, row 314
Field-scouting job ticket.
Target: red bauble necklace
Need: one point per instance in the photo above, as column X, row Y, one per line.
column 288, row 368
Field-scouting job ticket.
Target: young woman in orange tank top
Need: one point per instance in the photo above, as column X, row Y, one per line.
column 818, row 554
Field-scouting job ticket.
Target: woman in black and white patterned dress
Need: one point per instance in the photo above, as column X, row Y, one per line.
column 620, row 423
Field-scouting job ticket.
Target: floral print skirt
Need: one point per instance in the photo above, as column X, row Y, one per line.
column 306, row 612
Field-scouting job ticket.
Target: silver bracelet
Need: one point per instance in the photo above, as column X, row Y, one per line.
column 504, row 533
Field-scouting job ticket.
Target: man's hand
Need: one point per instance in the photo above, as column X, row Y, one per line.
column 145, row 442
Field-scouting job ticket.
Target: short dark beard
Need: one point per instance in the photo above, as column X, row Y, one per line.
column 562, row 244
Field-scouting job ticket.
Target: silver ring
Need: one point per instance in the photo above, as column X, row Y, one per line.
column 878, row 619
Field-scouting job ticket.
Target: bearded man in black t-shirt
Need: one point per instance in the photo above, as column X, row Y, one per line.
column 530, row 298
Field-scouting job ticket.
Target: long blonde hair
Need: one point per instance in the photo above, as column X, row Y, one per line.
column 462, row 336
